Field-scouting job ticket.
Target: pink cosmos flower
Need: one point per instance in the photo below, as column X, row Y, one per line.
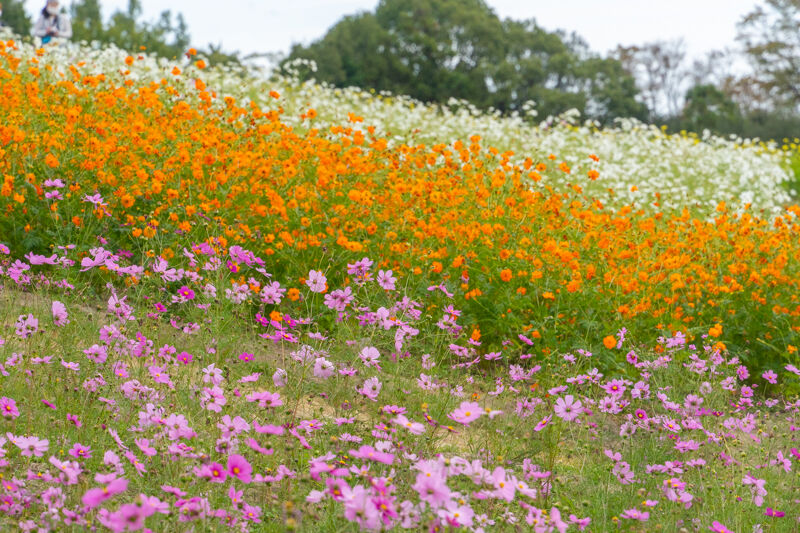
column 254, row 445
column 371, row 388
column 756, row 488
column 269, row 429
column 280, row 378
column 716, row 527
column 783, row 461
column 250, row 378
column 432, row 489
column 26, row 326
column 416, row 428
column 770, row 376
column 240, row 468
column 316, row 281
column 466, row 412
column 359, row 509
column 95, row 497
column 251, row 513
column 185, row 357
column 386, row 280
column 32, row 446
column 635, row 514
column 773, row 513
column 60, row 316
column 338, row 300
column 324, row 369
column 8, row 408
column 369, row 356
column 371, row 454
column 145, row 447
column 567, row 408
column 504, row 485
column 582, row 523
column 97, row 353
column 265, row 399
column 457, row 515
column 217, row 472
column 543, row 423
column 246, row 357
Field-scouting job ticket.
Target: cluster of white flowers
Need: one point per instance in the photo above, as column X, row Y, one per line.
column 636, row 160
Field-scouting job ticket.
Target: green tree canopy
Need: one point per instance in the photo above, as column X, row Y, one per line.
column 709, row 108
column 168, row 36
column 433, row 50
column 15, row 17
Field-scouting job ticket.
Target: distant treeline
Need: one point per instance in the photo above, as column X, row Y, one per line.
column 433, row 50
column 168, row 36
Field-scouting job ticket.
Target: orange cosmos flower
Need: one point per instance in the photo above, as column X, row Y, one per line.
column 609, row 341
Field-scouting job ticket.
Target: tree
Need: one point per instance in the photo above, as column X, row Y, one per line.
column 709, row 108
column 15, row 17
column 87, row 21
column 166, row 37
column 434, row 50
column 127, row 31
column 446, row 47
column 770, row 35
column 659, row 73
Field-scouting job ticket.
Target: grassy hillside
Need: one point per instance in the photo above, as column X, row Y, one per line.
column 234, row 303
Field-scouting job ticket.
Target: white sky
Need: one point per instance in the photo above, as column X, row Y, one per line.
column 273, row 25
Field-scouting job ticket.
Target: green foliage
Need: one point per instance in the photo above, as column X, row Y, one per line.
column 708, row 107
column 15, row 17
column 770, row 35
column 87, row 21
column 434, row 50
column 168, row 36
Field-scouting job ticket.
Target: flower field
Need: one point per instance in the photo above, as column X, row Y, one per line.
column 231, row 302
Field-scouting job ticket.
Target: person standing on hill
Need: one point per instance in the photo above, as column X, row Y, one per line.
column 52, row 24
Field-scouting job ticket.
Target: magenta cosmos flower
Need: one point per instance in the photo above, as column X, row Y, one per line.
column 240, row 468
column 8, row 407
column 186, row 292
column 79, row 451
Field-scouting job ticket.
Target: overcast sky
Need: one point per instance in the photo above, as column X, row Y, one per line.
column 273, row 25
